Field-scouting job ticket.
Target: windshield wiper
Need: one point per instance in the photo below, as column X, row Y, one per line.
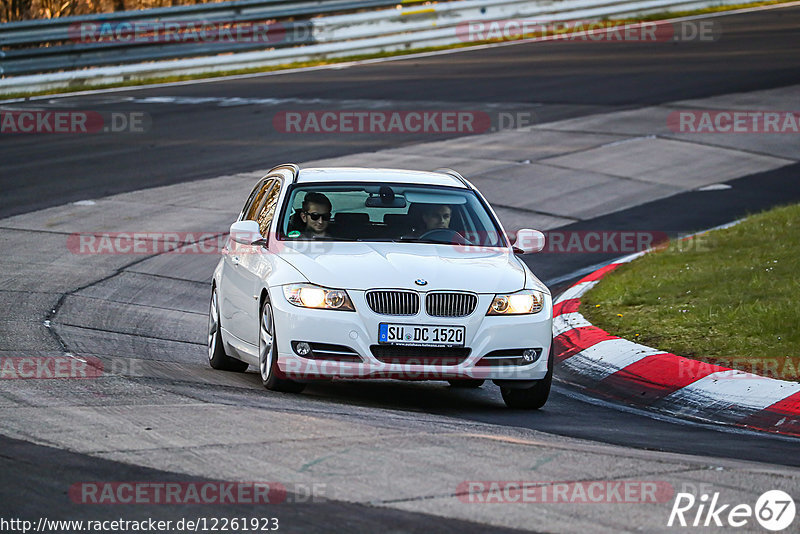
column 413, row 239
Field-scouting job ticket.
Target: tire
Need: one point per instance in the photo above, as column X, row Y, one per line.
column 467, row 383
column 216, row 350
column 531, row 398
column 271, row 376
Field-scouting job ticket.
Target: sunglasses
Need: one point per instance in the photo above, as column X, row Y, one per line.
column 315, row 216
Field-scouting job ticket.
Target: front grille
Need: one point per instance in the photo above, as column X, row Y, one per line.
column 450, row 304
column 393, row 302
column 420, row 355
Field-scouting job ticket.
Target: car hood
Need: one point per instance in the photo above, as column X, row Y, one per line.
column 398, row 265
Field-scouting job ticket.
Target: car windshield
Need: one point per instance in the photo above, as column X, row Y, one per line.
column 388, row 212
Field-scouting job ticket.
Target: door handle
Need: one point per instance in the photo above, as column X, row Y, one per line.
column 235, row 260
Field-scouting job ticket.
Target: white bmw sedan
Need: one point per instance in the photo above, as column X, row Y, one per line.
column 379, row 273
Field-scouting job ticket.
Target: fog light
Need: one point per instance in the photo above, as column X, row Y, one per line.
column 530, row 355
column 302, row 348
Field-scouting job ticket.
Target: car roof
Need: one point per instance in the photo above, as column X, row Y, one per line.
column 361, row 174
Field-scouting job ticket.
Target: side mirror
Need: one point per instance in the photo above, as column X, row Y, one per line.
column 528, row 241
column 246, row 232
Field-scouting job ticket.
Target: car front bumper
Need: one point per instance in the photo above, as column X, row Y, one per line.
column 358, row 332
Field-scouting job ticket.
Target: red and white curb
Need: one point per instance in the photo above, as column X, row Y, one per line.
column 618, row 369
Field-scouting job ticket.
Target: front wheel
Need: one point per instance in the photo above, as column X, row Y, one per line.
column 531, row 398
column 271, row 375
column 216, row 351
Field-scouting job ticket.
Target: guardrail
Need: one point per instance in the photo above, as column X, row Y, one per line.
column 57, row 44
column 311, row 30
column 57, row 29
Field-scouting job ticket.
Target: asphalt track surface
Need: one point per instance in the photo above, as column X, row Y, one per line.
column 45, row 470
column 553, row 80
column 190, row 142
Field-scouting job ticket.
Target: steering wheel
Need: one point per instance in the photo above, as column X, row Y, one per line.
column 446, row 235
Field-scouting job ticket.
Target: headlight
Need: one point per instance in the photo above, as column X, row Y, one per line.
column 311, row 296
column 519, row 303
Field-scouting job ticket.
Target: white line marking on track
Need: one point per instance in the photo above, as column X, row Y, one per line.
column 567, row 321
column 576, row 291
column 568, row 390
column 719, row 390
column 607, row 357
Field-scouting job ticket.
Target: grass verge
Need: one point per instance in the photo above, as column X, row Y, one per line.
column 728, row 297
column 332, row 61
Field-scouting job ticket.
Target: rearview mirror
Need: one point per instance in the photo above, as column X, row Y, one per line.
column 386, row 199
column 528, row 241
column 385, row 202
column 246, row 232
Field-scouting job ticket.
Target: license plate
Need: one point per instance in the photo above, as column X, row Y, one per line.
column 427, row 335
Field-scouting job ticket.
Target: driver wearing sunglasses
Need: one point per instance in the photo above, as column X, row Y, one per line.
column 316, row 215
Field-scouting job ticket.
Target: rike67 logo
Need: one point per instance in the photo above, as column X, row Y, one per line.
column 774, row 510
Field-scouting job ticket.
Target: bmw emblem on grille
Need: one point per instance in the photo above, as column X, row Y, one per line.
column 421, row 282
